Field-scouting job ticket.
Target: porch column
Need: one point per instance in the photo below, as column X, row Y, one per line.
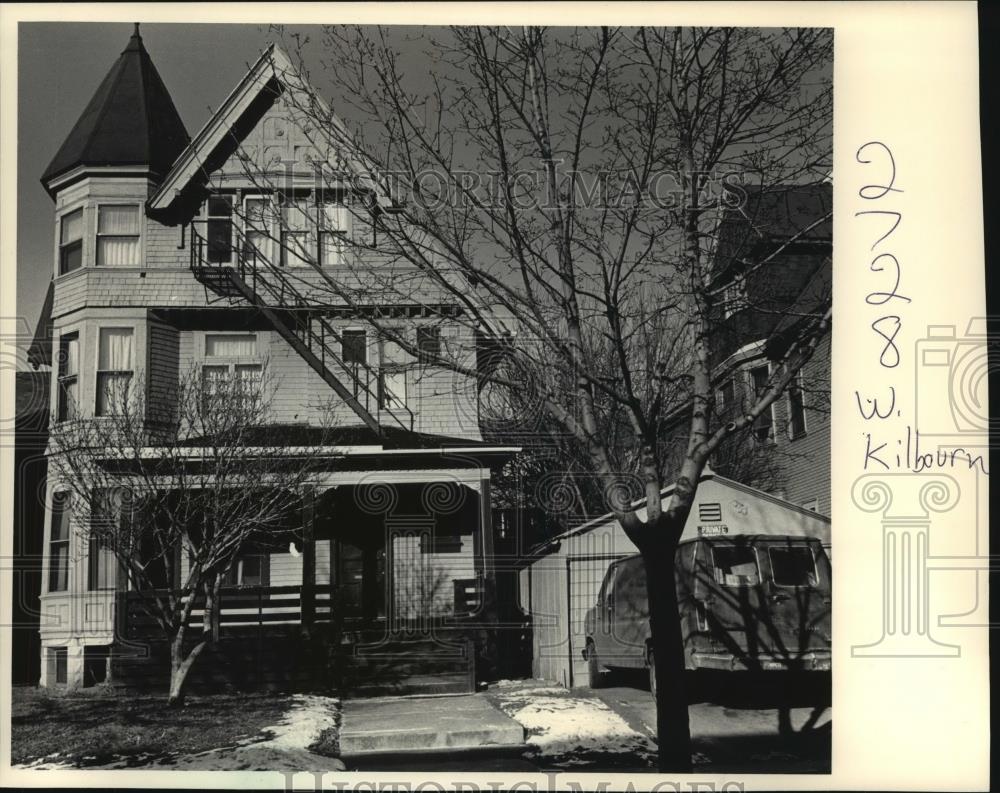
column 488, row 563
column 308, row 599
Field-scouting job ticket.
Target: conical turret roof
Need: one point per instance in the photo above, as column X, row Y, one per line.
column 131, row 120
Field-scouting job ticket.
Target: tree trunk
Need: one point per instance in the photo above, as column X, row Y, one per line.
column 179, row 668
column 673, row 729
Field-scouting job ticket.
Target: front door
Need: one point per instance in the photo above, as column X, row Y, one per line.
column 361, row 579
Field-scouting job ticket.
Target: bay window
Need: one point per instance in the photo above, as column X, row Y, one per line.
column 59, row 543
column 69, row 376
column 114, row 369
column 71, row 241
column 111, row 508
column 118, row 235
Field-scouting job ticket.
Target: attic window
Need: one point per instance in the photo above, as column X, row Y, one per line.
column 219, row 228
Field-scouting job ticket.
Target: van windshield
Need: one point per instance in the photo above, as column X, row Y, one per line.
column 735, row 565
column 793, row 566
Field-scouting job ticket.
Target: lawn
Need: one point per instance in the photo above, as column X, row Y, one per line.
column 96, row 726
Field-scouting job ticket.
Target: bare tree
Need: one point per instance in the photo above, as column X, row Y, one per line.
column 564, row 189
column 172, row 484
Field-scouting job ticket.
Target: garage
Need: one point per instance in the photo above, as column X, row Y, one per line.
column 562, row 577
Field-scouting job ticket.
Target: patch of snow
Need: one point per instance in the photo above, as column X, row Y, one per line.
column 558, row 725
column 285, row 749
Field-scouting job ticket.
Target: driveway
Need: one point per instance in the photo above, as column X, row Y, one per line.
column 744, row 724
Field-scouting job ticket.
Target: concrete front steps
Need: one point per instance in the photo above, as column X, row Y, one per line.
column 401, row 725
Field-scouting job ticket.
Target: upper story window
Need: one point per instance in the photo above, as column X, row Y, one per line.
column 115, row 362
column 69, row 376
column 59, row 543
column 71, row 241
column 219, row 229
column 231, row 366
column 295, row 235
column 734, row 296
column 118, row 235
column 796, row 409
column 256, row 226
column 725, row 400
column 334, row 225
column 429, row 344
column 763, row 425
column 392, row 375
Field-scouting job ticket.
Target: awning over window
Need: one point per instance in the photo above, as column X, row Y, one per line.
column 40, row 351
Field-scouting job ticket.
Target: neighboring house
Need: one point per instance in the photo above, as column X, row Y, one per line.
column 151, row 277
column 772, row 271
column 31, row 423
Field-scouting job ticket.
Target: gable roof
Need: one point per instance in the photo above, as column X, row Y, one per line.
column 273, row 64
column 130, row 120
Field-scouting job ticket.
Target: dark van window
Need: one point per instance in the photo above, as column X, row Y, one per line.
column 735, row 565
column 793, row 566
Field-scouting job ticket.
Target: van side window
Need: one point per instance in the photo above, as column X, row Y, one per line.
column 793, row 566
column 735, row 565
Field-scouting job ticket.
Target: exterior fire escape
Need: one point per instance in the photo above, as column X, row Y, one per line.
column 250, row 275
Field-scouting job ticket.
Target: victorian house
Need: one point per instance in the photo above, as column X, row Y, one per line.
column 158, row 269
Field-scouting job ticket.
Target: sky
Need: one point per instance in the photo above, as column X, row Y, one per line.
column 60, row 66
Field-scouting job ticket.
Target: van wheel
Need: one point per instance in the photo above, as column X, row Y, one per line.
column 594, row 676
column 651, row 663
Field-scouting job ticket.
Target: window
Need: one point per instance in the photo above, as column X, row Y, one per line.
column 101, row 563
column 247, row 570
column 353, row 347
column 59, row 543
column 219, row 229
column 796, row 409
column 725, row 400
column 118, row 236
column 392, row 376
column 114, row 369
column 295, row 248
column 71, row 241
column 734, row 296
column 735, row 565
column 96, row 660
column 793, row 566
column 429, row 344
column 257, row 211
column 232, row 367
column 334, row 223
column 58, row 665
column 69, row 376
column 763, row 425
column 392, row 389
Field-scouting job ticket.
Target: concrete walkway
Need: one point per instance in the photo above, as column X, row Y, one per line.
column 406, row 724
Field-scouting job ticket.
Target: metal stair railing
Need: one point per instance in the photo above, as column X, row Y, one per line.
column 252, row 276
